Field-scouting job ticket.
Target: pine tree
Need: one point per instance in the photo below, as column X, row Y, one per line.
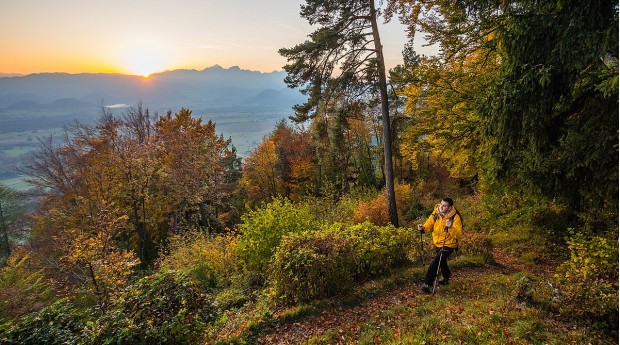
column 342, row 58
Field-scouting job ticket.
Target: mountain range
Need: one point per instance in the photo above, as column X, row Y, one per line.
column 212, row 88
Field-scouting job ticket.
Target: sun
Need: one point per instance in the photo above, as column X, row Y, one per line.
column 143, row 61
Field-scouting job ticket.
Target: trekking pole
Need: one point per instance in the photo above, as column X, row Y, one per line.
column 422, row 249
column 440, row 256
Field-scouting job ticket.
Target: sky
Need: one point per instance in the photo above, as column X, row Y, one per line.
column 141, row 37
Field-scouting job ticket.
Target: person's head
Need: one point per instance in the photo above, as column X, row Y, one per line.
column 446, row 205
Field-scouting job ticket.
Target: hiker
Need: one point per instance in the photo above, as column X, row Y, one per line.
column 446, row 225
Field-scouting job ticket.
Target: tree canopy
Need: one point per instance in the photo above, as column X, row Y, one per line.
column 547, row 83
column 341, row 67
column 119, row 189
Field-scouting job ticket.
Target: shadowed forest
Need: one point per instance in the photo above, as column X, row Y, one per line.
column 149, row 229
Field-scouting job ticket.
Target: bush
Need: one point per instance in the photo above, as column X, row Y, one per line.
column 21, row 290
column 262, row 231
column 312, row 265
column 208, row 260
column 337, row 208
column 59, row 323
column 375, row 210
column 589, row 280
column 585, row 286
column 165, row 308
column 376, row 248
column 477, row 244
column 536, row 291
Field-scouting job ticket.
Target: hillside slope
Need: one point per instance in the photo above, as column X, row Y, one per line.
column 478, row 307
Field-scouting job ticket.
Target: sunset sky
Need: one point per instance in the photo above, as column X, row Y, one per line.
column 145, row 36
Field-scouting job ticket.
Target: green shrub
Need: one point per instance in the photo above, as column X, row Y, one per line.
column 262, row 231
column 532, row 290
column 376, row 248
column 477, row 244
column 585, row 286
column 21, row 290
column 208, row 260
column 312, row 265
column 164, row 308
column 59, row 323
column 589, row 280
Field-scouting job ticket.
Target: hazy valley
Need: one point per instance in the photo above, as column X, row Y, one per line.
column 244, row 104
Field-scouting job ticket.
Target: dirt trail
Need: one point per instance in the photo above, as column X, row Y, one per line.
column 346, row 321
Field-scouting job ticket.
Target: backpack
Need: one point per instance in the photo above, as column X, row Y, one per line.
column 462, row 228
column 460, row 216
column 436, row 217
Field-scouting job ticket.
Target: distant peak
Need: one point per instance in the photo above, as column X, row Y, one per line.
column 10, row 75
column 216, row 66
column 235, row 68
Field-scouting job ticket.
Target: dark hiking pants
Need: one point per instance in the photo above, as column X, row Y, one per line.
column 432, row 269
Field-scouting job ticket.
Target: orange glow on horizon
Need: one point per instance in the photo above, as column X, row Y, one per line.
column 143, row 59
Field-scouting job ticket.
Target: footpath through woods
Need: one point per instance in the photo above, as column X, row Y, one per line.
column 347, row 323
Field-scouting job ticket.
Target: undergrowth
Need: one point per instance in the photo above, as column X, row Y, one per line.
column 286, row 267
column 476, row 310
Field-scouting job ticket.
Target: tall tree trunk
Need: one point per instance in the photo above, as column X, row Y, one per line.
column 385, row 119
column 5, row 248
column 140, row 228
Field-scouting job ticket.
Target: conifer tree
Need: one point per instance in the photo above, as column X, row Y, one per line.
column 342, row 57
column 556, row 89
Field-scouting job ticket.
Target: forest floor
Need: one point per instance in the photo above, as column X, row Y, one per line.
column 477, row 307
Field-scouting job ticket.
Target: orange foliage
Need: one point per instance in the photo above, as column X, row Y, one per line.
column 121, row 187
column 282, row 165
column 375, row 210
column 261, row 178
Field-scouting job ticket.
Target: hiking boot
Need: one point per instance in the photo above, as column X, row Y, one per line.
column 427, row 288
column 443, row 281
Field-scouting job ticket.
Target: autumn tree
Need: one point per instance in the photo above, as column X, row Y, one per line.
column 283, row 164
column 157, row 176
column 444, row 94
column 296, row 159
column 192, row 177
column 326, row 159
column 443, row 103
column 260, row 175
column 135, row 154
column 343, row 58
column 95, row 257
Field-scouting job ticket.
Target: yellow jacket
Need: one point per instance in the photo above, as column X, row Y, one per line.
column 437, row 222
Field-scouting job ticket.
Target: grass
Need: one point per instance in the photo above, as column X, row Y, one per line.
column 480, row 310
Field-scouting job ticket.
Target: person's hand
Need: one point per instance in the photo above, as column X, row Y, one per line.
column 420, row 228
column 448, row 223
